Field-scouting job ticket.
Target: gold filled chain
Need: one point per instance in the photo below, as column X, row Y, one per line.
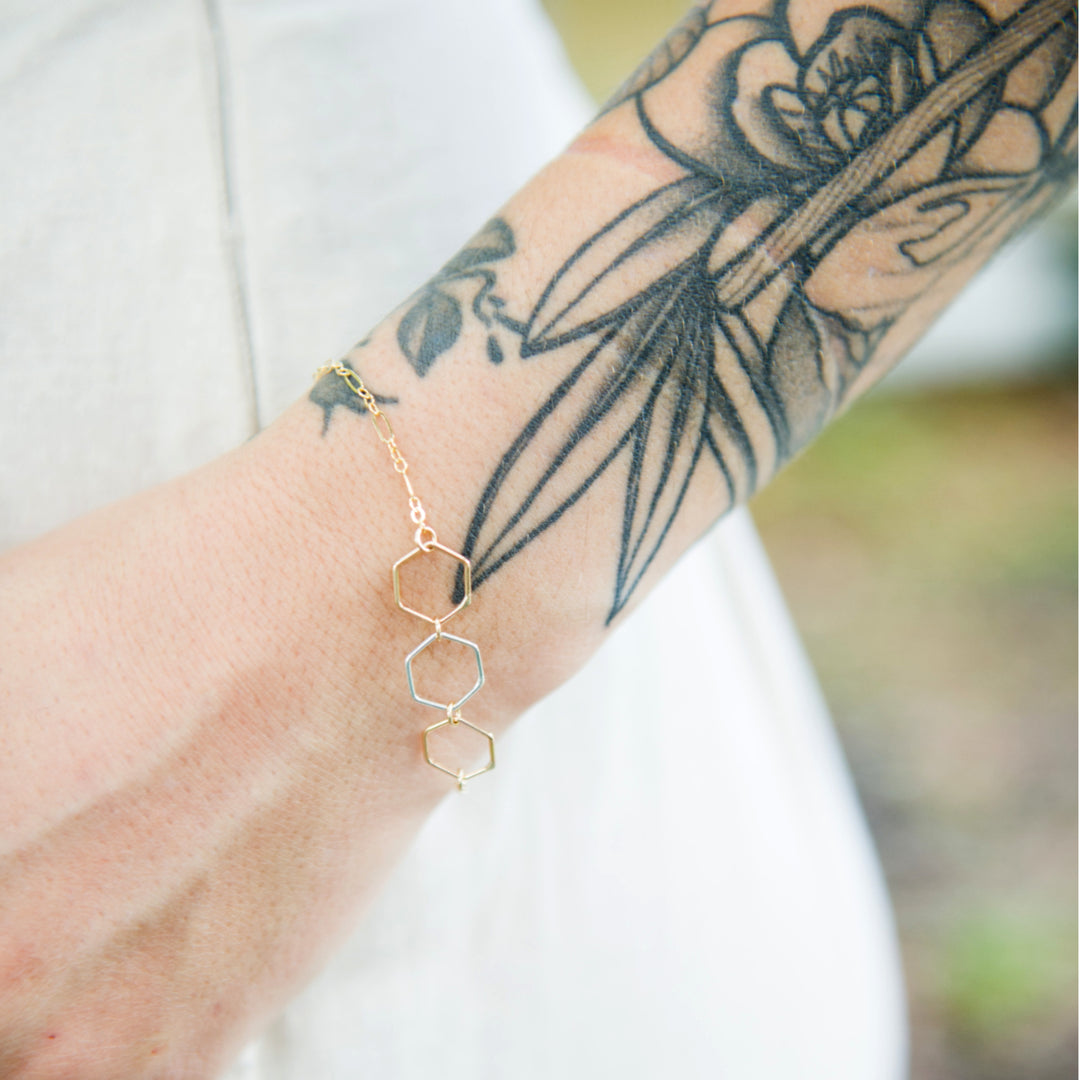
column 385, row 431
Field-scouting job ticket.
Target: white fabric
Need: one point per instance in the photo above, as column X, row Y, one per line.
column 667, row 875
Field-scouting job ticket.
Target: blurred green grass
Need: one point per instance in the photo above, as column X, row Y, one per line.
column 927, row 545
column 1005, row 970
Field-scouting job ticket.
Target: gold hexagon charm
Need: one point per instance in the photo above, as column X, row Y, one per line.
column 460, row 775
column 466, row 599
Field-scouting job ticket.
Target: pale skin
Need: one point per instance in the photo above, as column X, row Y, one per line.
column 208, row 754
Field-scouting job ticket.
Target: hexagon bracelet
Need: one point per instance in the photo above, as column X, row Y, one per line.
column 427, row 543
column 466, row 574
column 460, row 775
column 426, row 643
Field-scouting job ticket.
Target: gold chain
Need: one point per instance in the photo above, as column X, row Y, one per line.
column 425, row 535
column 427, row 543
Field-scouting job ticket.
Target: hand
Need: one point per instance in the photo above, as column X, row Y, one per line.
column 203, row 775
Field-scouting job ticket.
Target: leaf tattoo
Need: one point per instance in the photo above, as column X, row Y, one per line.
column 429, row 328
column 433, row 323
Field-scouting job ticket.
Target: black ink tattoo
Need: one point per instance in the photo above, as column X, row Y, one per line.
column 836, row 169
column 330, row 392
column 432, row 324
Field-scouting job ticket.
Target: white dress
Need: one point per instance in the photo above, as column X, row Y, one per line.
column 668, row 874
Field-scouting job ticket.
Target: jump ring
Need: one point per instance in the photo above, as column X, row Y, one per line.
column 425, row 538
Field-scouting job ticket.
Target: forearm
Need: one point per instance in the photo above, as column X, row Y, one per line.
column 210, row 751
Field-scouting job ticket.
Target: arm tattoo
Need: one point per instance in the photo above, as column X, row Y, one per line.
column 837, row 163
column 432, row 321
column 432, row 324
column 760, row 309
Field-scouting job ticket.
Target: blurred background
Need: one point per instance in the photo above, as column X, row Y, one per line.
column 927, row 547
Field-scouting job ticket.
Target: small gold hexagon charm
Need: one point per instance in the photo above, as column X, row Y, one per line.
column 436, row 621
column 427, row 643
column 460, row 775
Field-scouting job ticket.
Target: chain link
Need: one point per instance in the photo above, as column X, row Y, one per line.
column 425, row 534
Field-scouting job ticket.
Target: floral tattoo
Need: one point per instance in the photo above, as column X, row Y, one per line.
column 858, row 150
column 837, row 161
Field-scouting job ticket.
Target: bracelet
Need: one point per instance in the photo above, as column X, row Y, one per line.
column 426, row 542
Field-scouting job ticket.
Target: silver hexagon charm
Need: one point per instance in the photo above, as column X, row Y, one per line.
column 428, row 641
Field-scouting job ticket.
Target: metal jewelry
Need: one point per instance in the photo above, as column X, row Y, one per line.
column 427, row 545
